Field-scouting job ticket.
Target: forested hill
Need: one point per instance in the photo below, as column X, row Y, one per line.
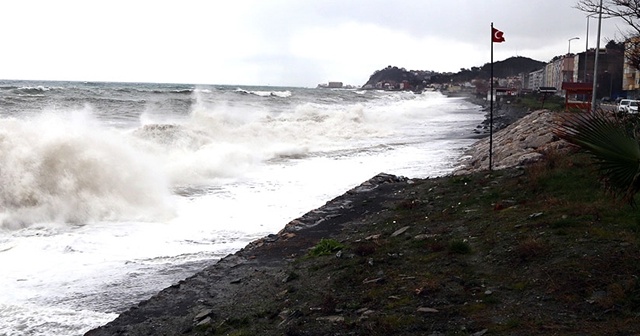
column 509, row 67
column 395, row 75
column 512, row 67
column 501, row 69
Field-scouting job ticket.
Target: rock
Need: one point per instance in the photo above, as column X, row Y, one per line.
column 332, row 318
column 290, row 277
column 201, row 315
column 376, row 280
column 427, row 310
column 286, row 316
column 400, row 231
column 288, row 235
column 361, row 310
column 424, row 236
column 535, row 215
column 205, row 321
column 530, row 158
column 524, row 141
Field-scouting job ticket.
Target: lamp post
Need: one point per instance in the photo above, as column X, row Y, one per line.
column 595, row 64
column 571, row 39
column 586, row 49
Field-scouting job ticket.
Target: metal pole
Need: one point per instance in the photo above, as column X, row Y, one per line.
column 595, row 65
column 586, row 51
column 491, row 107
column 571, row 39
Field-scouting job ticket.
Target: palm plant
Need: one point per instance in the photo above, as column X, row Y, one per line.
column 613, row 142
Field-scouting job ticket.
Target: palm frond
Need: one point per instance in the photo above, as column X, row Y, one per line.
column 612, row 143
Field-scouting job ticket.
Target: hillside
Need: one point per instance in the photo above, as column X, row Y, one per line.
column 512, row 66
column 501, row 69
column 394, row 74
column 509, row 67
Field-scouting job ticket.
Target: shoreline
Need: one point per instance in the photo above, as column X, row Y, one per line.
column 503, row 114
column 192, row 302
column 240, row 277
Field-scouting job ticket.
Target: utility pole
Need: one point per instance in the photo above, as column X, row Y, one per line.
column 595, row 65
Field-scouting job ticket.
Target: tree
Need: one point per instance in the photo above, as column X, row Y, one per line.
column 629, row 12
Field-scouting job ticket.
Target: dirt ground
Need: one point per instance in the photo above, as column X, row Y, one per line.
column 484, row 254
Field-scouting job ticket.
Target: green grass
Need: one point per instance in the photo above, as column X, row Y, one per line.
column 534, row 102
column 459, row 246
column 580, row 253
column 326, row 247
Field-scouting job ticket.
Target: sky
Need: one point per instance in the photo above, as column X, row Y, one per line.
column 299, row 43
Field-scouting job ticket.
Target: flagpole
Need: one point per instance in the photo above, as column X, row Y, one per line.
column 595, row 64
column 491, row 107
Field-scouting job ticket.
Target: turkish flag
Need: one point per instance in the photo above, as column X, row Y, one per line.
column 496, row 35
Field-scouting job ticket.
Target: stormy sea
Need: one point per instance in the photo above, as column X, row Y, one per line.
column 110, row 192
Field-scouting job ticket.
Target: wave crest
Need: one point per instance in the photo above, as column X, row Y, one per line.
column 280, row 94
column 52, row 171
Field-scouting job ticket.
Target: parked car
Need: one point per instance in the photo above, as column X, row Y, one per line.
column 632, row 107
column 622, row 105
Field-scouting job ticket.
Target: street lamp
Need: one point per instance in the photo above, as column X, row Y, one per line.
column 595, row 63
column 571, row 39
column 586, row 49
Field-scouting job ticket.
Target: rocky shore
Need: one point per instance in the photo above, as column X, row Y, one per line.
column 260, row 279
column 520, row 137
column 522, row 142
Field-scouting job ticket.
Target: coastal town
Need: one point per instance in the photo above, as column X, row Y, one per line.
column 570, row 75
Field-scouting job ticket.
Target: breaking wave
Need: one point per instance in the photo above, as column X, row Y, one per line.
column 57, row 168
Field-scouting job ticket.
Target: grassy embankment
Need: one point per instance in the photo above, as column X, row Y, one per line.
column 536, row 251
column 535, row 102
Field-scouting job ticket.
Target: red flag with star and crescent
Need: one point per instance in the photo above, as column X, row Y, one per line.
column 496, row 36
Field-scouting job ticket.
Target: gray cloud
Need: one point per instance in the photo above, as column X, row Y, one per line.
column 279, row 42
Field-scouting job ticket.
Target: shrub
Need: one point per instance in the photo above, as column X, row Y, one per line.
column 326, row 247
column 459, row 246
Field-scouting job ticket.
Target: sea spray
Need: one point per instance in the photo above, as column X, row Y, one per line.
column 232, row 166
column 63, row 168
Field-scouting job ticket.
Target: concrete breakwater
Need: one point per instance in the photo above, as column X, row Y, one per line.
column 524, row 141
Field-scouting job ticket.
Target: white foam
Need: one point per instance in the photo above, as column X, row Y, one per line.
column 242, row 170
column 223, row 140
column 20, row 320
column 65, row 168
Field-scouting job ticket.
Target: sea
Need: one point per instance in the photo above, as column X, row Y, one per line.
column 110, row 192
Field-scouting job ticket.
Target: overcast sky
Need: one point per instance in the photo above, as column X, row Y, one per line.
column 278, row 42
